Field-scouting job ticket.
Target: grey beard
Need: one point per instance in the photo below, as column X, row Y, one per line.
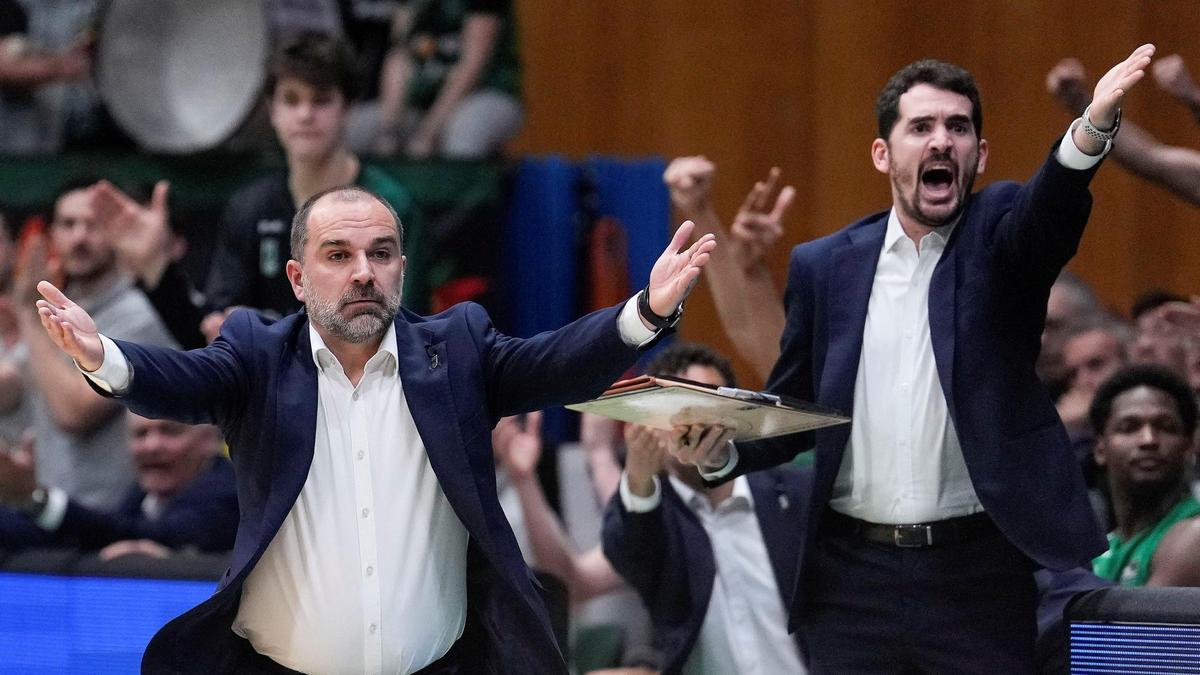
column 359, row 329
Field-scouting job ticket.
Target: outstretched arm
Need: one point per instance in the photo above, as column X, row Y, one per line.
column 1136, row 149
column 202, row 386
column 748, row 303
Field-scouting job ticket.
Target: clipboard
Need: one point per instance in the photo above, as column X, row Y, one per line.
column 662, row 402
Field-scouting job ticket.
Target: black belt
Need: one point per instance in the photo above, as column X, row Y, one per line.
column 921, row 535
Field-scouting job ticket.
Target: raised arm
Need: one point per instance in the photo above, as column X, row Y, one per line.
column 73, row 406
column 1137, row 150
column 748, row 303
column 579, row 360
column 518, row 450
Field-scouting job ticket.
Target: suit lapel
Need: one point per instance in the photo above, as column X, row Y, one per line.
column 425, row 377
column 846, row 300
column 295, row 425
column 942, row 313
column 780, row 520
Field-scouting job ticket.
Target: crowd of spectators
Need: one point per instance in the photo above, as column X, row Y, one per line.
column 442, row 79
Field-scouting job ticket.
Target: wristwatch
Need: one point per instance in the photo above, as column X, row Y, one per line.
column 1102, row 136
column 663, row 325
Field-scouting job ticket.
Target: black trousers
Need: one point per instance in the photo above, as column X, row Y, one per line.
column 966, row 607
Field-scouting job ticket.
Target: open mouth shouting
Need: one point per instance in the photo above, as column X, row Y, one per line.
column 937, row 183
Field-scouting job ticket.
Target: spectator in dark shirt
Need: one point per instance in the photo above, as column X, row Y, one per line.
column 184, row 496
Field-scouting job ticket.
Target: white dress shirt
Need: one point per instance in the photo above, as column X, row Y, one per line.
column 745, row 627
column 903, row 462
column 367, row 574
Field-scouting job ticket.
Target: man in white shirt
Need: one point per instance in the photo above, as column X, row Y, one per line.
column 923, row 322
column 371, row 539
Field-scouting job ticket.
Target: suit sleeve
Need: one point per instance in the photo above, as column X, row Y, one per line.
column 1043, row 225
column 571, row 364
column 648, row 551
column 201, row 386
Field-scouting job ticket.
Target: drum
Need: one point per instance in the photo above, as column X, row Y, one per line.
column 180, row 76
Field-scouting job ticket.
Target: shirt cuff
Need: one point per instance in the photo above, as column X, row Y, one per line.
column 113, row 374
column 634, row 503
column 55, row 510
column 725, row 470
column 629, row 324
column 1070, row 156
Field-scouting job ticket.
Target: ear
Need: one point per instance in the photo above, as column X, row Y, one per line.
column 294, row 274
column 880, row 155
column 983, row 155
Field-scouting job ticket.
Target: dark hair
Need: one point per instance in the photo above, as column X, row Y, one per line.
column 1143, row 375
column 318, row 60
column 1152, row 300
column 938, row 74
column 347, row 193
column 679, row 356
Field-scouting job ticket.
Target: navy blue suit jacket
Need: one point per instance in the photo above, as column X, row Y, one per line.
column 203, row 515
column 987, row 307
column 258, row 383
column 666, row 555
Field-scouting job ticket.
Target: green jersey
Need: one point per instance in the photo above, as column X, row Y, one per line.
column 1128, row 562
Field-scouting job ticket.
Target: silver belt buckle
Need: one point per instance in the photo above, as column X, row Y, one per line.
column 912, row 536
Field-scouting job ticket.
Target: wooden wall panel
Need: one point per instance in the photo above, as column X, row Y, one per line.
column 756, row 83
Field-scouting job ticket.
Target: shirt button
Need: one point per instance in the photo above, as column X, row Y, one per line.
column 366, row 512
column 372, row 628
column 361, row 454
column 370, row 570
column 354, row 396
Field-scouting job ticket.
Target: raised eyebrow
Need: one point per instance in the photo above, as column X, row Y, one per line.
column 334, row 243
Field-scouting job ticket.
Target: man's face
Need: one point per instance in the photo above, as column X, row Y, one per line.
column 1161, row 343
column 308, row 122
column 167, row 455
column 353, row 271
column 1091, row 357
column 80, row 242
column 1143, row 446
column 932, row 155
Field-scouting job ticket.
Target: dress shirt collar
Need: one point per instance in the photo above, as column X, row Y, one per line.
column 385, row 359
column 895, row 233
column 741, row 497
